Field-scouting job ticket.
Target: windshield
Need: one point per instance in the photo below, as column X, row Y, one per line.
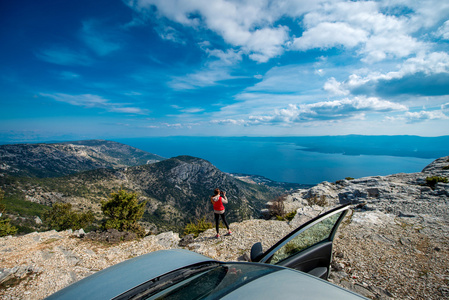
column 209, row 281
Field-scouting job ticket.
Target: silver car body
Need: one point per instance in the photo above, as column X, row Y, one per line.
column 278, row 282
column 294, row 268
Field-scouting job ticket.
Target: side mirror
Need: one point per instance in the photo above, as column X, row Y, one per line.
column 256, row 252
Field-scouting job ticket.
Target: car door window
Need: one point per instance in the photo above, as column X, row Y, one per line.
column 316, row 231
column 313, row 235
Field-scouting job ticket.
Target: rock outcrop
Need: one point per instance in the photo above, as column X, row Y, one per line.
column 393, row 244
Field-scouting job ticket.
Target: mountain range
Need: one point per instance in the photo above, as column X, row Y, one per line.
column 58, row 159
column 84, row 173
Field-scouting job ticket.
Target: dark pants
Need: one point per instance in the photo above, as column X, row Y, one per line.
column 217, row 219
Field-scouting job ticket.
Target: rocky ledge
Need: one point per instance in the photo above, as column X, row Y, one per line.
column 393, row 244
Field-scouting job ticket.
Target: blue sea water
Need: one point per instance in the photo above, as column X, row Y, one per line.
column 304, row 160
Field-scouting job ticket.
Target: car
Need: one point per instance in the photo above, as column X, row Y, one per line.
column 294, row 268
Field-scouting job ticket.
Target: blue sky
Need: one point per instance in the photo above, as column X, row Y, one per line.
column 111, row 69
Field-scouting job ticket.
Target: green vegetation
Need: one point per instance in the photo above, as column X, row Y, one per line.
column 16, row 203
column 349, row 178
column 290, row 215
column 5, row 227
column 201, row 225
column 123, row 211
column 287, row 217
column 432, row 181
column 446, row 168
column 62, row 217
column 2, row 206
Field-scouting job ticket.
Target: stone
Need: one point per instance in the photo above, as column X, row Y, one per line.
column 186, row 240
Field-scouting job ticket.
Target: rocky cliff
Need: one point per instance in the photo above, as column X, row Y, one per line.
column 393, row 244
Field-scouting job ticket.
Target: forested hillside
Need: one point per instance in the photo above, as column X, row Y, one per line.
column 176, row 190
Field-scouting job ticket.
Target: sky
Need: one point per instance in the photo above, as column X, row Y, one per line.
column 108, row 69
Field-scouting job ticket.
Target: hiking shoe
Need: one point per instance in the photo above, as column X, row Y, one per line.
column 229, row 232
column 217, row 236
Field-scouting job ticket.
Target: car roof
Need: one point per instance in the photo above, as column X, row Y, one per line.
column 291, row 284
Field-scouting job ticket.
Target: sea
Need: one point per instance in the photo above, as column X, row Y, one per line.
column 304, row 160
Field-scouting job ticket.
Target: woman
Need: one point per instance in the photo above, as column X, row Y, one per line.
column 218, row 199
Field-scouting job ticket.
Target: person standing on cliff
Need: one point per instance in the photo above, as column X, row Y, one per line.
column 218, row 199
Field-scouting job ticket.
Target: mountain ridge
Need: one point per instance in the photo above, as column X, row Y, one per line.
column 58, row 159
column 176, row 189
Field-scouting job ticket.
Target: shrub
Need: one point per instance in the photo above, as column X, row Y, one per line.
column 200, row 226
column 277, row 209
column 315, row 200
column 5, row 227
column 62, row 217
column 123, row 211
column 446, row 168
column 2, row 206
column 432, row 181
column 349, row 178
column 287, row 217
column 290, row 215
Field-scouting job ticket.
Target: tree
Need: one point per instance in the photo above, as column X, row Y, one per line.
column 2, row 206
column 62, row 217
column 5, row 227
column 123, row 211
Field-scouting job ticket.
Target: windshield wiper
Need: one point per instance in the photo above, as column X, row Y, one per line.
column 162, row 282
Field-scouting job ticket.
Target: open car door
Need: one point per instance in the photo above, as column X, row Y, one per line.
column 307, row 248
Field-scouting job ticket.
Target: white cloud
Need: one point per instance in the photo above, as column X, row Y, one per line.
column 374, row 27
column 355, row 108
column 192, row 110
column 288, row 79
column 170, row 34
column 225, row 58
column 171, row 125
column 443, row 31
column 327, row 35
column 431, row 63
column 425, row 63
column 336, row 88
column 228, row 121
column 246, row 24
column 426, row 13
column 362, row 24
column 266, row 43
column 64, row 56
column 69, row 75
column 214, row 71
column 202, row 78
column 95, row 101
column 414, row 117
column 389, row 45
column 96, row 38
column 445, row 107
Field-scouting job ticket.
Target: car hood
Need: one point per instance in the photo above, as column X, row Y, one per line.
column 121, row 277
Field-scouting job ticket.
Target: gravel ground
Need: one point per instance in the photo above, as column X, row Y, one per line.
column 377, row 255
